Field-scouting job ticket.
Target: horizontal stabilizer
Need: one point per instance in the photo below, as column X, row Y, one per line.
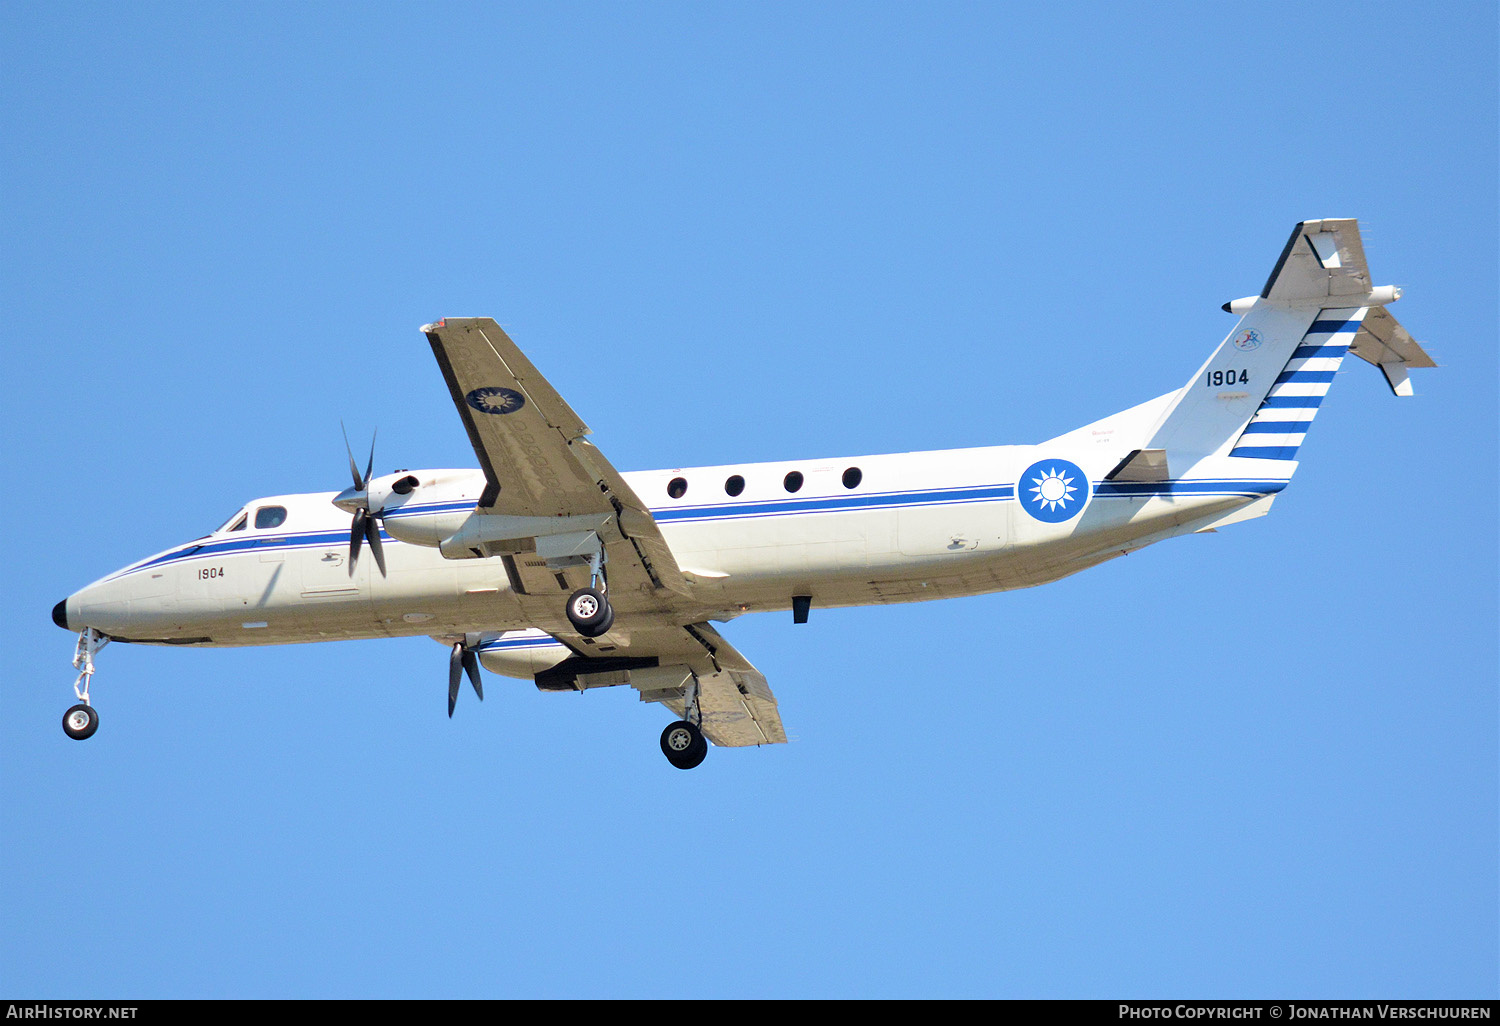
column 1323, row 263
column 1385, row 343
column 1141, row 465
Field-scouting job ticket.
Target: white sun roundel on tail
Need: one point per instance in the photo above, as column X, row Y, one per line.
column 1053, row 491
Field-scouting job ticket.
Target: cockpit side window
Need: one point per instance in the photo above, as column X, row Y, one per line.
column 270, row 516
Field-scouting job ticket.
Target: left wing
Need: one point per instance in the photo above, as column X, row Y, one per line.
column 664, row 663
column 531, row 446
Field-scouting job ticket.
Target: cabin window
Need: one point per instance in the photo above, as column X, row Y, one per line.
column 270, row 516
column 677, row 488
column 793, row 481
column 734, row 485
column 852, row 477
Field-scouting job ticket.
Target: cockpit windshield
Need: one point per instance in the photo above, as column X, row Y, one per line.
column 234, row 523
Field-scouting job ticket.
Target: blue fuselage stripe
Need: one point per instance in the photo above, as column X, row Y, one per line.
column 687, row 514
column 834, row 504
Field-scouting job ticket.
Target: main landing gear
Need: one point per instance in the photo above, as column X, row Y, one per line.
column 683, row 742
column 80, row 721
column 588, row 609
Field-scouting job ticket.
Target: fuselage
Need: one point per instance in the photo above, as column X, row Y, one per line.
column 844, row 531
column 547, row 563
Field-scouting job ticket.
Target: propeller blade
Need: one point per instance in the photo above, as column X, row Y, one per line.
column 372, row 532
column 471, row 665
column 359, row 485
column 356, row 535
column 369, row 467
column 455, row 674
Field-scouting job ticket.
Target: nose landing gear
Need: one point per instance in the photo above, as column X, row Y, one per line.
column 80, row 721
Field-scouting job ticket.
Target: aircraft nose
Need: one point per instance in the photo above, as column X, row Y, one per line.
column 60, row 615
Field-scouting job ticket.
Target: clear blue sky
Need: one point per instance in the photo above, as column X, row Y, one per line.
column 1257, row 763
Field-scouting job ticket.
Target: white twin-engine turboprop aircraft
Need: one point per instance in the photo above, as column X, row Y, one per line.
column 549, row 564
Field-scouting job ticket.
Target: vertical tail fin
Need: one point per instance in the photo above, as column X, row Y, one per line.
column 1256, row 396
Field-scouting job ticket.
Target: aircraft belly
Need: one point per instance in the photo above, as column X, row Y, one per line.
column 1108, row 528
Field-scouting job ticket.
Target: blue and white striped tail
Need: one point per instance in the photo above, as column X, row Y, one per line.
column 1278, row 427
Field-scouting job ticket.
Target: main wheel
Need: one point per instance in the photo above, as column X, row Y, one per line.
column 683, row 744
column 590, row 612
column 80, row 722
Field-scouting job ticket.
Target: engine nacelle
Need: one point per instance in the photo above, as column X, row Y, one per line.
column 522, row 654
column 422, row 507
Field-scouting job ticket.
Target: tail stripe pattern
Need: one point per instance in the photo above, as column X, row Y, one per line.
column 1281, row 423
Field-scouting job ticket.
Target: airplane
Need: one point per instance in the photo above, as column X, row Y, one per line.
column 547, row 564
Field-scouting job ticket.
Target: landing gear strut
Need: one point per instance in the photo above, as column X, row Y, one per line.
column 80, row 721
column 589, row 610
column 683, row 742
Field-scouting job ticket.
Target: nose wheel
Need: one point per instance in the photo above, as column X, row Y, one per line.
column 80, row 722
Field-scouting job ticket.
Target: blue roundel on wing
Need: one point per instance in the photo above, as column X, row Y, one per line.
column 1053, row 491
column 496, row 400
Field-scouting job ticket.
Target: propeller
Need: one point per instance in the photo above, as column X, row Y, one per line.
column 463, row 659
column 365, row 526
